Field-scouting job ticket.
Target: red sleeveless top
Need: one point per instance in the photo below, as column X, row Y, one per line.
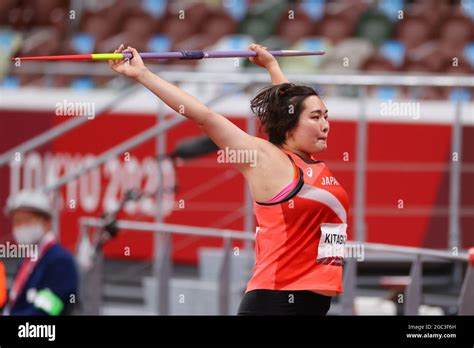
column 300, row 239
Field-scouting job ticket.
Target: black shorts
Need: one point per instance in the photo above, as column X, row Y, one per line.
column 284, row 302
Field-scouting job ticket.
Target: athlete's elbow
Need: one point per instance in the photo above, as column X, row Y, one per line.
column 205, row 118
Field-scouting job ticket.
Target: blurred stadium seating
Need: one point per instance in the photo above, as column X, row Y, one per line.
column 425, row 38
column 359, row 37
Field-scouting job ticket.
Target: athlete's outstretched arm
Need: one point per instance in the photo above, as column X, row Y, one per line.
column 268, row 61
column 222, row 131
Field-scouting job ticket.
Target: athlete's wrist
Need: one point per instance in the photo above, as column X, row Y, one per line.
column 142, row 75
column 272, row 66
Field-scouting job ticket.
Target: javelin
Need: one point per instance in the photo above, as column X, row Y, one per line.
column 194, row 54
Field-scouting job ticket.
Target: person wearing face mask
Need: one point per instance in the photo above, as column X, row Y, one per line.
column 46, row 282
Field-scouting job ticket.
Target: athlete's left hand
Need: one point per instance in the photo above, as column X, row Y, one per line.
column 132, row 68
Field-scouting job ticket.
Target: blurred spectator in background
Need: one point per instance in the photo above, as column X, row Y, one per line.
column 46, row 282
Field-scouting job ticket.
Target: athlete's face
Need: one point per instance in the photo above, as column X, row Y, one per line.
column 311, row 132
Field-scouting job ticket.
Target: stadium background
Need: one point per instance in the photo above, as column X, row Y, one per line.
column 408, row 158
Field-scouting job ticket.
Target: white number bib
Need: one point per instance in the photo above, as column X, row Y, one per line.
column 333, row 239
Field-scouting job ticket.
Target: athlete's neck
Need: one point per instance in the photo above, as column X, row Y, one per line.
column 302, row 154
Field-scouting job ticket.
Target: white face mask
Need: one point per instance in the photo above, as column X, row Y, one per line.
column 30, row 234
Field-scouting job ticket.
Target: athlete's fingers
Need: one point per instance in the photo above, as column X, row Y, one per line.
column 113, row 62
column 119, row 50
column 137, row 59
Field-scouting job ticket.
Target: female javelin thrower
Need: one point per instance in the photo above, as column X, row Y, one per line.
column 300, row 207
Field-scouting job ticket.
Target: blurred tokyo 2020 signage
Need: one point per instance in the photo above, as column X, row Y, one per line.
column 100, row 189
